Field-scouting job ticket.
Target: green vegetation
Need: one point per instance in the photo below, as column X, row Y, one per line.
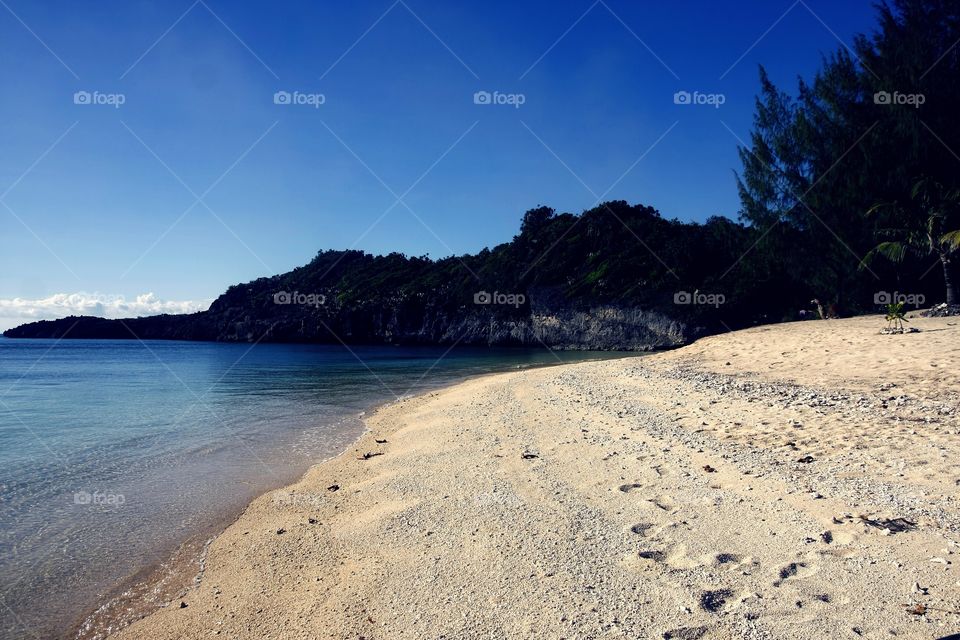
column 863, row 162
column 558, row 261
column 896, row 316
column 928, row 226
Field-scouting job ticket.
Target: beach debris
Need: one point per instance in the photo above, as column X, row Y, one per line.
column 806, row 459
column 889, row 331
column 183, row 605
column 333, row 487
column 370, row 454
column 921, row 590
column 685, row 633
column 921, row 609
column 656, row 556
column 827, row 537
column 529, row 455
column 281, row 531
column 384, row 441
column 311, row 521
column 891, row 525
column 709, row 469
column 712, row 601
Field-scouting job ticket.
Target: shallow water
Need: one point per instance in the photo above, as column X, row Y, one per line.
column 114, row 452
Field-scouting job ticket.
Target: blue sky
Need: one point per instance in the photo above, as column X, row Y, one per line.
column 199, row 180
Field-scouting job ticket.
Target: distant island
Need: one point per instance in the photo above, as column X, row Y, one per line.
column 566, row 281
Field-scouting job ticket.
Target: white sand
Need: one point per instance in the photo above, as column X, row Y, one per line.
column 666, row 500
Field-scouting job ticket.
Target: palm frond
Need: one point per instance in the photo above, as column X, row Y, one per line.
column 893, row 251
column 951, row 240
column 880, row 207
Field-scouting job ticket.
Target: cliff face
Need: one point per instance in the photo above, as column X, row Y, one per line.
column 605, row 328
column 599, row 328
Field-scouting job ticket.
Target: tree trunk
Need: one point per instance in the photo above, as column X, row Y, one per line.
column 949, row 277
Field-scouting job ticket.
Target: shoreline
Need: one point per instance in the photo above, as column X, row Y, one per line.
column 160, row 584
column 470, row 496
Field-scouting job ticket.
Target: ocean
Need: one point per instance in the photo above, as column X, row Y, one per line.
column 113, row 453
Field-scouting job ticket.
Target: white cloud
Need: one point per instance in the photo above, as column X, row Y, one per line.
column 17, row 311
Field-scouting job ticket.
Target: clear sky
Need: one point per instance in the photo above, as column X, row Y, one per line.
column 199, row 179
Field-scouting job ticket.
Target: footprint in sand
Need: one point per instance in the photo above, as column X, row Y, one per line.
column 795, row 570
column 714, row 600
column 641, row 528
column 655, row 556
column 790, row 570
column 665, row 502
column 678, row 558
column 733, row 562
column 631, row 486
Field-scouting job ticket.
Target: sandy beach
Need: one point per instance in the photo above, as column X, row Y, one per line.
column 788, row 481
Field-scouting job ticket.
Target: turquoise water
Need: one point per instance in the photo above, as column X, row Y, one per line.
column 114, row 452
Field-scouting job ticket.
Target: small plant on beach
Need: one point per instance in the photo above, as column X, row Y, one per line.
column 896, row 316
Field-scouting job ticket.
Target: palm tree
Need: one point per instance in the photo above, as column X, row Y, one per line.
column 930, row 225
column 896, row 316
